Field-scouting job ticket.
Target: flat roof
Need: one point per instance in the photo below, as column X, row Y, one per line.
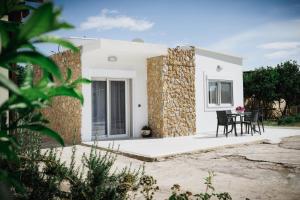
column 219, row 56
column 110, row 44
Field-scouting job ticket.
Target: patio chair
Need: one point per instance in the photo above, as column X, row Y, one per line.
column 251, row 121
column 225, row 120
column 261, row 120
column 236, row 121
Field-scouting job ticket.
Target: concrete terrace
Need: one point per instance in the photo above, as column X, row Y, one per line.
column 155, row 149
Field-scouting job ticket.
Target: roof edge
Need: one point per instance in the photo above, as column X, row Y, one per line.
column 219, row 56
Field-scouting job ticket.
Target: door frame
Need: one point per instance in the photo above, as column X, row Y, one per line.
column 108, row 108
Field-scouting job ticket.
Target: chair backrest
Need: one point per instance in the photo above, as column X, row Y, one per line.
column 222, row 117
column 228, row 112
column 254, row 115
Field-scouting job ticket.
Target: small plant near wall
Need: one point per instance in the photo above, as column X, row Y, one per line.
column 210, row 193
column 146, row 131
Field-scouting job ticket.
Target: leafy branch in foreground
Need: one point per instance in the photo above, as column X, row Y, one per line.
column 18, row 49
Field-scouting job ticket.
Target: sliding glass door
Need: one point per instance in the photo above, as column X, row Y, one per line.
column 109, row 108
column 117, row 108
column 99, row 109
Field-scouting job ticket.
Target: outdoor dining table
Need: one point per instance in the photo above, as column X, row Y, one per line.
column 241, row 116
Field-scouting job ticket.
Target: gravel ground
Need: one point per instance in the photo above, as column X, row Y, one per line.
column 254, row 171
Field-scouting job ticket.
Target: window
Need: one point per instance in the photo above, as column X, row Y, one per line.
column 213, row 92
column 220, row 93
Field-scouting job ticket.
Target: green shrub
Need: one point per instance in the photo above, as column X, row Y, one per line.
column 297, row 118
column 209, row 193
column 44, row 174
column 286, row 120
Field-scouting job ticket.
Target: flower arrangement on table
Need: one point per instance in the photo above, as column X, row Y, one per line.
column 240, row 109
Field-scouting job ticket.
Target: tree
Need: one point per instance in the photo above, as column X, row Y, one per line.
column 288, row 85
column 260, row 87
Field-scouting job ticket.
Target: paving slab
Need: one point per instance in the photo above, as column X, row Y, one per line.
column 154, row 149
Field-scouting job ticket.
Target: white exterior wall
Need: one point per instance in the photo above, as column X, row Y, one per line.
column 206, row 68
column 131, row 64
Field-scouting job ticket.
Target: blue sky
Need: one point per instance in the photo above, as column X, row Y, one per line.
column 262, row 32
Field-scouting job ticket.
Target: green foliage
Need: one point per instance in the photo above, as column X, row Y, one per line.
column 209, row 193
column 289, row 83
column 18, row 54
column 149, row 186
column 44, row 174
column 286, row 120
column 264, row 86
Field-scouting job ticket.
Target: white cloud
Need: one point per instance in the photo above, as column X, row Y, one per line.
column 280, row 45
column 110, row 19
column 276, row 31
column 267, row 44
column 283, row 54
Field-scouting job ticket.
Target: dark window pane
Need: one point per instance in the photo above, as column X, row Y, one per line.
column 117, row 108
column 99, row 119
column 212, row 92
column 226, row 92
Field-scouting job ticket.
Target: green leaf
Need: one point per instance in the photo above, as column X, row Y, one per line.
column 8, row 6
column 6, row 83
column 18, row 106
column 69, row 74
column 5, row 28
column 31, row 57
column 65, row 91
column 9, row 178
column 7, row 146
column 34, row 94
column 43, row 20
column 59, row 41
column 80, row 81
column 28, row 46
column 45, row 131
column 28, row 79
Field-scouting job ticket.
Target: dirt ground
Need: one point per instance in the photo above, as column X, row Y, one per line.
column 253, row 171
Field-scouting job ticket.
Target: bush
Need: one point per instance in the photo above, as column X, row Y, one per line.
column 46, row 175
column 297, row 118
column 286, row 120
column 209, row 193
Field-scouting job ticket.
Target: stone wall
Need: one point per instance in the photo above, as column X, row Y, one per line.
column 65, row 112
column 171, row 93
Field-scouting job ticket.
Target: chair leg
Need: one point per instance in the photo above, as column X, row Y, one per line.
column 241, row 128
column 259, row 128
column 252, row 128
column 226, row 131
column 262, row 125
column 234, row 129
column 217, row 130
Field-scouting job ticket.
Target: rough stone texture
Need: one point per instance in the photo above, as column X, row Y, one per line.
column 171, row 93
column 65, row 112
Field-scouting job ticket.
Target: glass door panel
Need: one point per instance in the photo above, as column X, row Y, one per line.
column 117, row 108
column 99, row 109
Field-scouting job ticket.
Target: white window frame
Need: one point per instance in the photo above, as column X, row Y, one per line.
column 219, row 104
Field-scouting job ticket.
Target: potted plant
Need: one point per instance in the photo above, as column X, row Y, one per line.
column 240, row 109
column 146, row 131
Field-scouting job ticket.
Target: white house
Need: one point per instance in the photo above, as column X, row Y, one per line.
column 176, row 91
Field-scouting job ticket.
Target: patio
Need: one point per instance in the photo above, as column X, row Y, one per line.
column 155, row 149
